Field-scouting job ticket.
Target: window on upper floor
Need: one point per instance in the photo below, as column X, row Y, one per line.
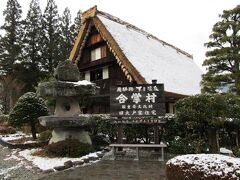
column 96, row 75
column 98, row 53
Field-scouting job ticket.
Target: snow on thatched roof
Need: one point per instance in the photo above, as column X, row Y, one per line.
column 155, row 59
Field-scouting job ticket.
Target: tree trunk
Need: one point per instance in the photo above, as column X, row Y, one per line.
column 11, row 91
column 11, row 101
column 237, row 77
column 5, row 98
column 213, row 140
column 237, row 138
column 33, row 129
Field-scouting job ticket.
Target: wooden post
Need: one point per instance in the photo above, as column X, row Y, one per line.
column 137, row 154
column 156, row 129
column 114, row 153
column 120, row 135
column 162, row 154
column 156, row 134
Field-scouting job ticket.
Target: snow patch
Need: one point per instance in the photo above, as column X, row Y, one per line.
column 225, row 151
column 6, row 171
column 30, row 142
column 15, row 136
column 13, row 156
column 46, row 163
column 210, row 164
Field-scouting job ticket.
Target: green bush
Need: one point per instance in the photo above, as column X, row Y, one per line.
column 68, row 148
column 27, row 110
column 99, row 141
column 180, row 146
column 138, row 132
column 236, row 151
column 133, row 133
column 201, row 117
column 45, row 135
column 7, row 130
column 4, row 118
column 104, row 127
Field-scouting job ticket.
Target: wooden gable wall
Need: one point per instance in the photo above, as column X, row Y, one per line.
column 100, row 102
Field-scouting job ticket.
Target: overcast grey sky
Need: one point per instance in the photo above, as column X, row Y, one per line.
column 182, row 23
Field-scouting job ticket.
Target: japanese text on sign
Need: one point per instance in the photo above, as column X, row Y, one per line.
column 137, row 100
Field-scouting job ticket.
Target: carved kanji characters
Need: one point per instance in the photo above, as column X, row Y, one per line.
column 121, row 98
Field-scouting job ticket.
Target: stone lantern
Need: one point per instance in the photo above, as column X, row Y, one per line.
column 68, row 122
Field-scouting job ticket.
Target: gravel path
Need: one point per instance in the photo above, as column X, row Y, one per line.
column 113, row 170
column 121, row 169
column 13, row 168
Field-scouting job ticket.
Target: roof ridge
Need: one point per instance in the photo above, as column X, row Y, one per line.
column 135, row 28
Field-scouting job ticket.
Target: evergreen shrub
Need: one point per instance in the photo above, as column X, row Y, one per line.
column 236, row 151
column 7, row 130
column 104, row 127
column 45, row 136
column 99, row 141
column 4, row 118
column 68, row 148
column 27, row 110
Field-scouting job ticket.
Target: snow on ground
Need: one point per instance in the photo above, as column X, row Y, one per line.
column 17, row 135
column 43, row 163
column 30, row 142
column 14, row 167
column 225, row 151
column 6, row 171
column 13, row 156
column 46, row 163
column 210, row 164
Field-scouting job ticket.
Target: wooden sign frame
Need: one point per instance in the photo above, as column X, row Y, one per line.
column 137, row 101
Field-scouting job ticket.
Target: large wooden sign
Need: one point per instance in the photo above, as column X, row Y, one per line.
column 137, row 100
